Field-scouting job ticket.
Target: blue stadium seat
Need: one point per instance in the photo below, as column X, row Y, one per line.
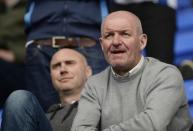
column 184, row 19
column 0, row 117
column 183, row 46
column 184, row 36
column 189, row 93
column 184, row 4
column 191, row 109
column 189, row 89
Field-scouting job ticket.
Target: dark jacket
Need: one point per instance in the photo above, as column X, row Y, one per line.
column 48, row 18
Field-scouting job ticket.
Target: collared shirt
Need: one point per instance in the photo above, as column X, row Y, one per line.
column 130, row 72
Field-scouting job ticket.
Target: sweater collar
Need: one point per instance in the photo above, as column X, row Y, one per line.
column 131, row 72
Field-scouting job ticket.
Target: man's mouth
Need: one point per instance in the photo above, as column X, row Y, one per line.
column 117, row 51
column 65, row 79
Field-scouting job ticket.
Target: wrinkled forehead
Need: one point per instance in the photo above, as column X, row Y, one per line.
column 122, row 15
column 121, row 19
column 118, row 23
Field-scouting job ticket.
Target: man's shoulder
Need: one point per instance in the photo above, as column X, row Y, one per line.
column 100, row 76
column 99, row 80
column 155, row 68
column 157, row 65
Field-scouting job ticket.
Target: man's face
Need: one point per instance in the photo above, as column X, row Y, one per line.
column 69, row 71
column 122, row 42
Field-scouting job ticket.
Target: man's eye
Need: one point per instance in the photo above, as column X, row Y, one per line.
column 125, row 34
column 56, row 66
column 108, row 36
column 70, row 62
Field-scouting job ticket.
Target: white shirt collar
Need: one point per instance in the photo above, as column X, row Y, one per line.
column 132, row 71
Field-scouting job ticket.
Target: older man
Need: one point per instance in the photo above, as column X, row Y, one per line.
column 69, row 72
column 135, row 93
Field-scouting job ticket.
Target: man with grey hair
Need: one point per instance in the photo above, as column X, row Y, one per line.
column 135, row 93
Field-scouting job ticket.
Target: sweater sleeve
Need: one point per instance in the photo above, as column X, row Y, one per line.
column 88, row 115
column 163, row 99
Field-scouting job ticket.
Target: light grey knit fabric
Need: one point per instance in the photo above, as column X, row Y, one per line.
column 152, row 99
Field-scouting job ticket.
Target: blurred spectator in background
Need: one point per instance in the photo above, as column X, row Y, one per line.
column 12, row 39
column 12, row 26
column 51, row 25
column 5, row 53
column 2, row 7
column 11, row 73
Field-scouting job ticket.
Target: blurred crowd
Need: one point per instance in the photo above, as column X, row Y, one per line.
column 12, row 39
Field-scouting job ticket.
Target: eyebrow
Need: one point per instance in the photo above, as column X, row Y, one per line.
column 65, row 61
column 55, row 64
column 123, row 30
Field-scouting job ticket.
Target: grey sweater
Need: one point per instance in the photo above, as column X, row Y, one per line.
column 152, row 99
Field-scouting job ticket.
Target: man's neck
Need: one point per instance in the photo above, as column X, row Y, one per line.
column 69, row 99
column 127, row 72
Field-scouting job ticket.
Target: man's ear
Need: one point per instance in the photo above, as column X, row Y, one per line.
column 88, row 71
column 143, row 41
column 101, row 42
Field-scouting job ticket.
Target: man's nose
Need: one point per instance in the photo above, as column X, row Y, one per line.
column 116, row 40
column 63, row 69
